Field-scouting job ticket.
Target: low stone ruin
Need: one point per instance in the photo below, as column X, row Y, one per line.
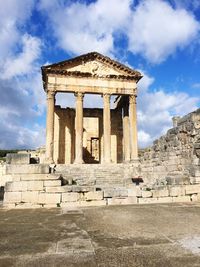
column 174, row 157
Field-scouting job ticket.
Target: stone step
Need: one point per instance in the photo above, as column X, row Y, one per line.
column 27, row 169
column 30, row 177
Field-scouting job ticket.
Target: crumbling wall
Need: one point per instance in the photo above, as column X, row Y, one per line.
column 176, row 155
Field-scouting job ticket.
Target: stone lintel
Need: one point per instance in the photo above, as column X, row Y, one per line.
column 92, row 86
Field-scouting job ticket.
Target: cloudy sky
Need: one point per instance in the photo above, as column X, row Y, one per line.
column 161, row 38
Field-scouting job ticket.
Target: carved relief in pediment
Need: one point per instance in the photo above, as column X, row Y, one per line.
column 95, row 68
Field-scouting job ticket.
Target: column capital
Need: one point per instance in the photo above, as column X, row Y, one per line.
column 132, row 99
column 50, row 94
column 106, row 97
column 79, row 96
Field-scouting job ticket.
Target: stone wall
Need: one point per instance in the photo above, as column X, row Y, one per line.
column 2, row 173
column 175, row 157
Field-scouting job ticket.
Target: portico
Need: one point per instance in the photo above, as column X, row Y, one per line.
column 116, row 137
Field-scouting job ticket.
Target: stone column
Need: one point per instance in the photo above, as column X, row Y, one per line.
column 50, row 126
column 79, row 129
column 133, row 127
column 106, row 129
column 126, row 133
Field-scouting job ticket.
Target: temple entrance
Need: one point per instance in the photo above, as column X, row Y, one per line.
column 91, row 145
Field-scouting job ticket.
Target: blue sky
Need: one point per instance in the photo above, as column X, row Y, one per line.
column 160, row 38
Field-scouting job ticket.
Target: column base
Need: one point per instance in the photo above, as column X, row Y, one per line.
column 78, row 162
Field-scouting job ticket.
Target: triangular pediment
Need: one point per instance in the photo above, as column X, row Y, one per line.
column 95, row 67
column 92, row 64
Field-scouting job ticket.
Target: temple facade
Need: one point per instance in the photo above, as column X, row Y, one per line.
column 91, row 135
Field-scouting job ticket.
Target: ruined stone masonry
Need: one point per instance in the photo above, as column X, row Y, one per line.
column 92, row 154
column 175, row 157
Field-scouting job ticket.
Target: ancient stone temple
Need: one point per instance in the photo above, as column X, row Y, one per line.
column 85, row 135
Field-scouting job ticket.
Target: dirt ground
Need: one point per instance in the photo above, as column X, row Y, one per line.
column 159, row 235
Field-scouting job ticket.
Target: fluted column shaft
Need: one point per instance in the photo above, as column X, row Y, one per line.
column 50, row 126
column 126, row 133
column 133, row 127
column 106, row 129
column 79, row 129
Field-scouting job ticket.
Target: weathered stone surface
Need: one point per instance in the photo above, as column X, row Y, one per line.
column 147, row 200
column 30, row 197
column 192, row 189
column 94, row 203
column 12, row 197
column 35, row 185
column 164, row 199
column 182, row 199
column 115, row 192
column 70, row 197
column 174, row 155
column 160, row 193
column 27, row 169
column 55, row 189
column 122, row 201
column 98, row 195
column 49, row 198
column 147, row 194
column 18, row 158
column 175, row 191
column 77, row 188
column 52, row 183
column 16, row 186
column 36, row 176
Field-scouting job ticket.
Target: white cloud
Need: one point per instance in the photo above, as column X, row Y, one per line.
column 156, row 109
column 157, row 30
column 13, row 14
column 81, row 27
column 20, row 80
column 23, row 62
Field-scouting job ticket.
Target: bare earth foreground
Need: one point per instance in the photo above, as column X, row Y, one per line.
column 158, row 235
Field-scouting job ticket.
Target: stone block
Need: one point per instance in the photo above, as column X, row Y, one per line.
column 30, row 196
column 192, row 189
column 175, row 191
column 35, row 185
column 12, row 197
column 97, row 195
column 94, row 203
column 115, row 192
column 15, row 158
column 49, row 198
column 146, row 194
column 160, row 193
column 50, row 206
column 70, row 205
column 77, row 188
column 16, row 186
column 41, row 177
column 165, row 199
column 147, row 200
column 122, row 201
column 52, row 183
column 27, row 169
column 181, row 199
column 133, row 192
column 27, row 206
column 55, row 189
column 70, row 197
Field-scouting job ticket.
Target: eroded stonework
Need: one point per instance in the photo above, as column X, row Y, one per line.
column 176, row 155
